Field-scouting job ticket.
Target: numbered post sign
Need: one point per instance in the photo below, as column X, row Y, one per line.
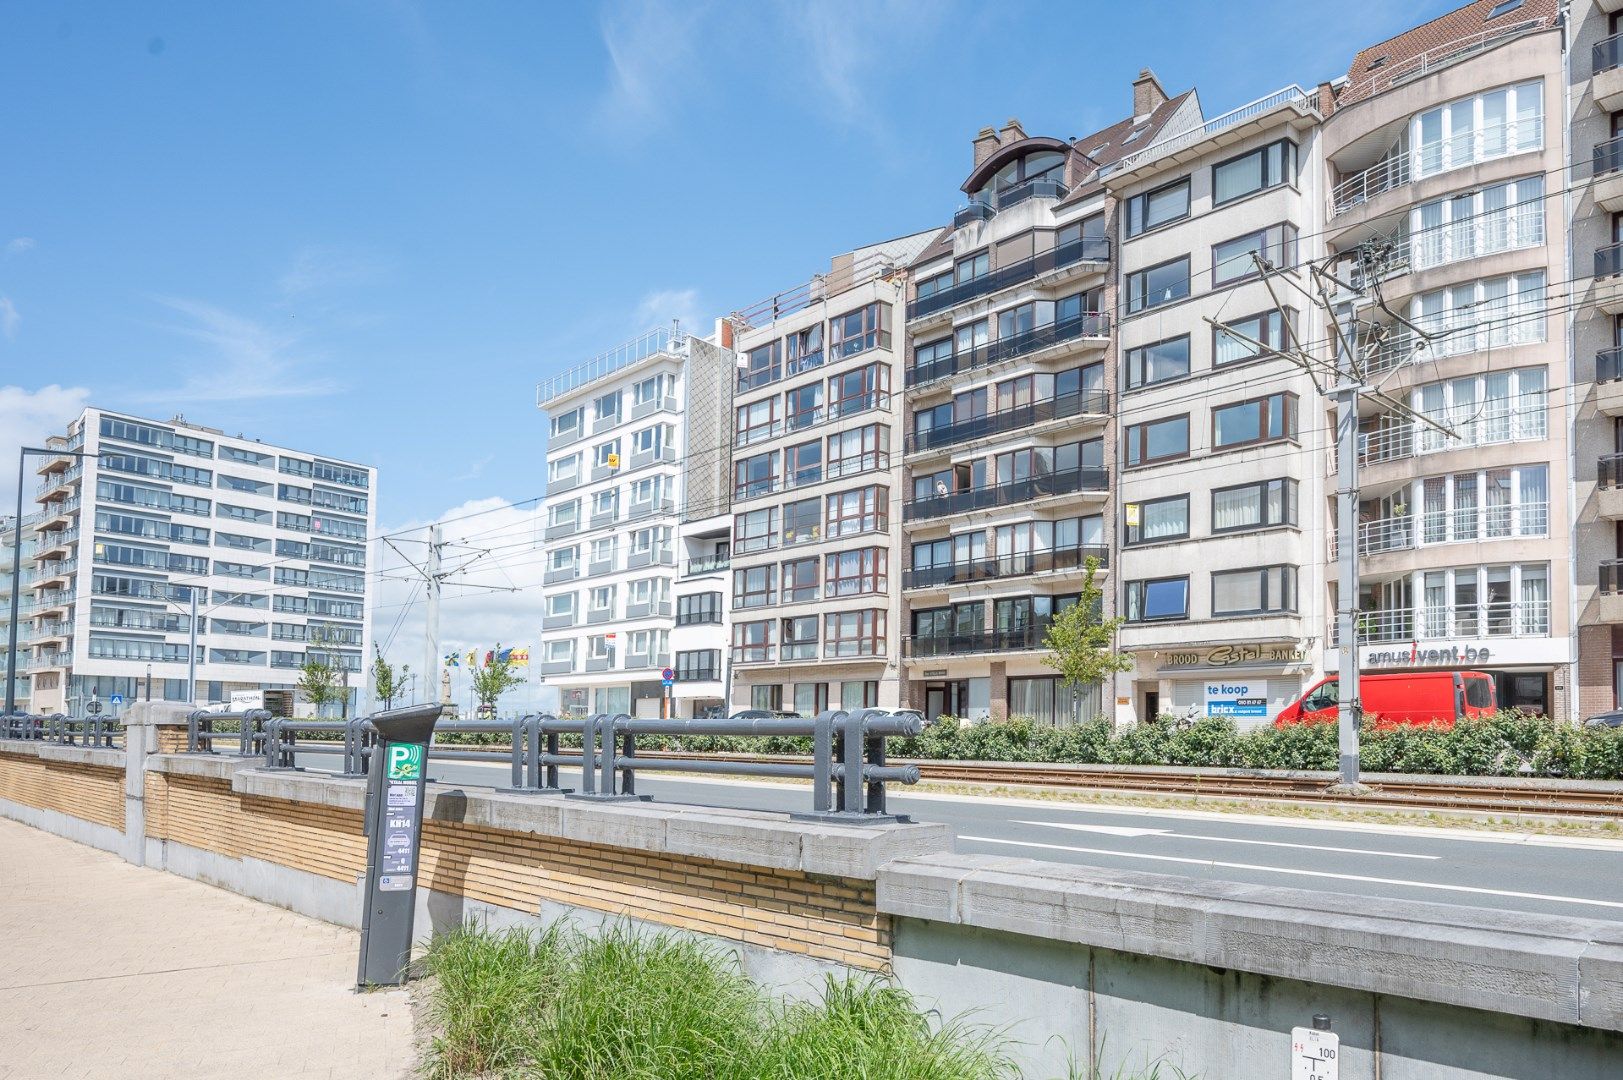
column 1314, row 1054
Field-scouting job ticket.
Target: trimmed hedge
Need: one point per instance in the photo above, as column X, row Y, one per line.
column 1498, row 745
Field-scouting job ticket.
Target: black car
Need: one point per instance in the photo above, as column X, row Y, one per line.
column 763, row 714
column 1606, row 719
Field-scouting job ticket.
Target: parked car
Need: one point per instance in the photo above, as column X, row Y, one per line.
column 1419, row 697
column 1612, row 718
column 764, row 714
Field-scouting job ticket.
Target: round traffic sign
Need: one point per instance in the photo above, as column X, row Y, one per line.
column 668, row 675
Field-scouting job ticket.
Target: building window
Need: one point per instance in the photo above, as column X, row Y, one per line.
column 1266, row 330
column 607, row 407
column 802, row 523
column 568, row 424
column 699, row 665
column 858, row 331
column 1508, row 120
column 1469, row 225
column 755, row 421
column 752, row 641
column 769, row 697
column 1158, row 598
column 859, row 694
column 1158, row 362
column 811, row 698
column 800, row 638
column 754, row 587
column 868, row 387
column 1160, row 284
column 1257, row 591
column 971, row 267
column 800, row 580
column 860, row 511
column 1266, row 167
column 1158, row 519
column 855, row 633
column 1502, row 406
column 1050, row 701
column 761, row 366
column 560, row 605
column 1156, row 208
column 859, row 450
column 1476, row 316
column 698, row 609
column 1488, row 505
column 1232, row 260
column 1159, row 440
column 1254, row 506
column 935, row 284
column 854, row 573
column 1260, row 420
column 756, row 475
column 803, row 464
column 756, row 530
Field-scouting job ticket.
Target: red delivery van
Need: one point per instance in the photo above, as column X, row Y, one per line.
column 1420, row 697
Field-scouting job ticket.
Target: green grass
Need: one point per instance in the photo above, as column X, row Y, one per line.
column 561, row 1005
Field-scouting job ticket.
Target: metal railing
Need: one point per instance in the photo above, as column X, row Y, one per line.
column 1085, row 249
column 1291, row 95
column 1609, row 365
column 847, row 763
column 652, row 343
column 1607, row 54
column 1437, row 156
column 1020, row 639
column 1461, row 524
column 1089, row 324
column 1495, row 618
column 1607, row 157
column 820, row 287
column 1018, row 418
column 90, row 731
column 1088, row 478
column 1021, row 564
column 1436, row 58
column 985, row 207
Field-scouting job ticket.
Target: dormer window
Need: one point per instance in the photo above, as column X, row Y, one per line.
column 1039, row 165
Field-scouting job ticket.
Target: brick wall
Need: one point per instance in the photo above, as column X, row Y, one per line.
column 1594, row 691
column 88, row 792
column 827, row 918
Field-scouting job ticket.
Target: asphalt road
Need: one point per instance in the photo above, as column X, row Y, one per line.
column 1575, row 877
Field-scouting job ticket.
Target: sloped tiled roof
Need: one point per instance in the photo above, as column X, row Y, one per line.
column 1379, row 66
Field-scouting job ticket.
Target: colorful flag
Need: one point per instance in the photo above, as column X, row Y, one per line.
column 453, row 659
column 473, row 660
column 504, row 656
column 490, row 657
column 521, row 657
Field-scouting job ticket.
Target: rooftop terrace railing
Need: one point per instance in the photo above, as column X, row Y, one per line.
column 652, row 343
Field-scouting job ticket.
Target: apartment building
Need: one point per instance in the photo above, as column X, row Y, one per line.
column 22, row 579
column 817, row 408
column 1220, row 463
column 635, row 435
column 1594, row 104
column 269, row 543
column 702, row 636
column 1444, row 161
column 1009, row 389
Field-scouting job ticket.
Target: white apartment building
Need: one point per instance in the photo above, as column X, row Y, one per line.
column 24, row 579
column 1221, row 451
column 1009, row 392
column 701, row 636
column 635, row 434
column 269, row 542
column 815, row 599
column 1444, row 164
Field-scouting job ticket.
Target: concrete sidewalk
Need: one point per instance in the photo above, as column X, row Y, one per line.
column 111, row 970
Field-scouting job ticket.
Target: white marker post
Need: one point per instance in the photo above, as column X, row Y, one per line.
column 1314, row 1054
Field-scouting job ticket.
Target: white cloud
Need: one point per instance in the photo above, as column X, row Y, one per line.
column 8, row 318
column 658, row 308
column 653, row 58
column 850, row 45
column 26, row 417
column 19, row 245
column 240, row 359
column 471, row 617
column 322, row 267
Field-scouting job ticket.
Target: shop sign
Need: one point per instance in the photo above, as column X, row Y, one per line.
column 1414, row 656
column 1229, row 655
column 1227, row 697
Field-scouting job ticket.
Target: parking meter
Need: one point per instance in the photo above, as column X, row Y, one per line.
column 394, row 826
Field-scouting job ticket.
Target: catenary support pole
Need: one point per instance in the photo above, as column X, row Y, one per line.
column 191, row 654
column 431, row 631
column 16, row 589
column 1347, row 711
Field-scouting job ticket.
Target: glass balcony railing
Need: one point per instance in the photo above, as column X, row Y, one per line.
column 1018, row 639
column 1088, row 325
column 1087, row 249
column 1021, row 564
column 1018, row 418
column 1088, row 478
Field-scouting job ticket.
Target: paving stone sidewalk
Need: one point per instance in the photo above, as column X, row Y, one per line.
column 112, row 970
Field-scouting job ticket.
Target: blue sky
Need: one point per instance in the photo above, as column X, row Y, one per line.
column 370, row 227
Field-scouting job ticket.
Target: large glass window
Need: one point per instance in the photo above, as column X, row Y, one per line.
column 1236, row 259
column 1161, row 361
column 1266, row 167
column 1048, row 700
column 1158, row 519
column 754, row 587
column 1500, row 406
column 1158, row 598
column 1491, row 313
column 756, row 530
column 1501, row 217
column 1260, row 420
column 854, row 633
column 756, row 475
column 1254, row 591
column 854, row 573
column 1156, row 285
column 1508, row 120
column 1253, row 336
column 860, row 330
column 801, row 522
column 800, row 580
column 1156, row 208
column 863, row 510
column 1254, row 506
column 1158, row 440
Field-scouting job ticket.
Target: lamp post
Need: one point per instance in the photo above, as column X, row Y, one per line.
column 17, row 567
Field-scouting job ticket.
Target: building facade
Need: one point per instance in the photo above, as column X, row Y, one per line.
column 270, row 544
column 17, row 574
column 816, row 440
column 635, row 435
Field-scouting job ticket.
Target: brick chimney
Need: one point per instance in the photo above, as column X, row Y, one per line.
column 1012, row 132
column 985, row 144
column 1148, row 94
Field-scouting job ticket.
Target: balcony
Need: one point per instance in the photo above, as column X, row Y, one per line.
column 650, row 508
column 599, row 616
column 648, row 609
column 1410, row 627
column 55, row 543
column 1609, row 486
column 1020, row 418
column 652, row 557
column 1472, row 524
column 930, row 646
column 1607, row 175
column 1089, row 249
column 599, row 663
column 557, row 622
column 649, row 408
column 600, row 518
column 708, row 564
column 58, row 513
column 1609, row 382
column 56, row 482
column 1502, row 420
column 1022, row 564
column 1606, row 84
column 562, row 529
column 557, row 667
column 642, row 458
column 640, row 660
column 1091, row 326
column 1089, row 479
column 1430, row 159
column 562, row 573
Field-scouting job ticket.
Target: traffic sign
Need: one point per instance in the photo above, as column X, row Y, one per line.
column 116, row 699
column 668, row 675
column 1313, row 1054
column 93, row 707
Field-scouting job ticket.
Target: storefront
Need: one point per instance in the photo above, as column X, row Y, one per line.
column 1248, row 683
column 1526, row 671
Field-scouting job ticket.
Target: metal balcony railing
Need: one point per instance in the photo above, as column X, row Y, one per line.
column 1608, row 157
column 1088, row 478
column 1429, row 158
column 1090, row 325
column 1086, row 249
column 1292, row 95
column 1494, row 618
column 1022, row 564
column 652, row 343
column 1607, row 54
column 1019, row 418
column 1609, row 365
column 1458, row 525
column 1019, row 639
column 1609, row 471
column 1611, row 576
column 1609, row 260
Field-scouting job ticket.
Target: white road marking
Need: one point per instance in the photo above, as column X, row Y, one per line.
column 1119, row 830
column 1299, row 873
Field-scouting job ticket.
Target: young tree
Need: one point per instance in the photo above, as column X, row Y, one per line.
column 493, row 680
column 387, row 680
column 1082, row 641
column 320, row 681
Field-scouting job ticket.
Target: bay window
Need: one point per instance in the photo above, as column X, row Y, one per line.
column 854, row 573
column 855, row 633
